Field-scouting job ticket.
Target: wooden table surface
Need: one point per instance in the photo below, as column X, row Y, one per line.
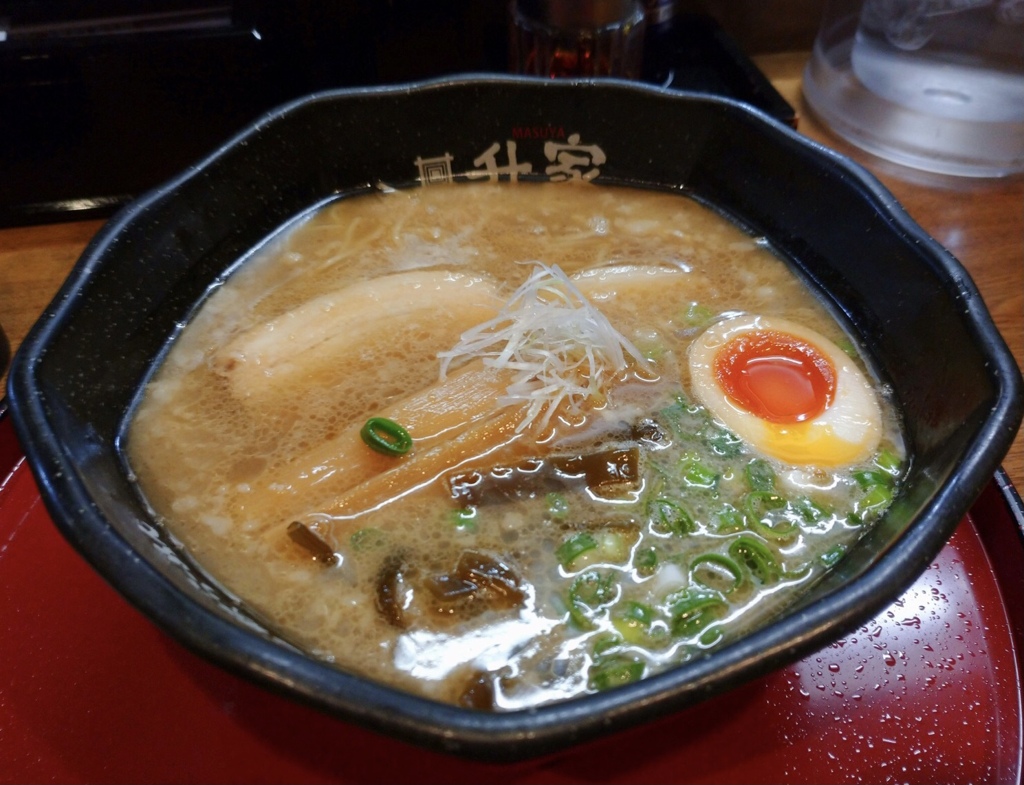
column 981, row 222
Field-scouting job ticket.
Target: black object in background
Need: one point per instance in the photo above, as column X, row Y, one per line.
column 101, row 100
column 692, row 52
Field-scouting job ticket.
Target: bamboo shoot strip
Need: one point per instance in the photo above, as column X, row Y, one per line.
column 436, row 413
column 335, row 328
column 495, row 439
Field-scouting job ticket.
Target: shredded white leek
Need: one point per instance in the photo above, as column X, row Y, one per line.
column 562, row 348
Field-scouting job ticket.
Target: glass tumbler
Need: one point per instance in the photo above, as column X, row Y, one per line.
column 937, row 85
column 557, row 38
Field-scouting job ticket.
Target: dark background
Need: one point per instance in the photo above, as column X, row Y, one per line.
column 103, row 99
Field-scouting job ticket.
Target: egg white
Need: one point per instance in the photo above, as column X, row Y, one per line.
column 848, row 431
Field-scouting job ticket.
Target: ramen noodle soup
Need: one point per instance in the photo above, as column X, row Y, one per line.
column 503, row 445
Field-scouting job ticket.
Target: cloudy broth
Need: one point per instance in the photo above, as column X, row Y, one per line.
column 537, row 541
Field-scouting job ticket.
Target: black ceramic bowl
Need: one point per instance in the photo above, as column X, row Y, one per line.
column 77, row 375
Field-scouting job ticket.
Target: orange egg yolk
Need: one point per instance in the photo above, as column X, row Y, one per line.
column 776, row 376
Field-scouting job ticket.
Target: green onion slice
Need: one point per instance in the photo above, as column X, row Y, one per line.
column 589, row 592
column 869, row 478
column 573, row 547
column 760, row 475
column 698, row 475
column 728, row 520
column 711, row 569
column 831, row 557
column 875, row 500
column 766, row 515
column 386, row 436
column 888, row 462
column 614, row 671
column 670, row 518
column 635, row 622
column 711, row 636
column 693, row 611
column 645, row 561
column 756, row 557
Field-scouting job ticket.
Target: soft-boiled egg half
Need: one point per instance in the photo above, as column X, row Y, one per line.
column 786, row 390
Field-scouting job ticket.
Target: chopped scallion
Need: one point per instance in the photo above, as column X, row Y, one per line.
column 668, row 517
column 573, row 547
column 808, row 509
column 646, row 560
column 697, row 315
column 721, row 441
column 605, row 644
column 716, row 571
column 641, row 625
column 868, row 478
column 728, row 520
column 614, row 671
column 760, row 475
column 588, row 594
column 633, row 621
column 877, row 498
column 464, row 519
column 756, row 557
column 832, row 556
column 692, row 611
column 711, row 636
column 698, row 475
column 766, row 515
column 888, row 462
column 386, row 436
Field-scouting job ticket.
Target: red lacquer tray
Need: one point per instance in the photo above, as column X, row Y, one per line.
column 929, row 691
